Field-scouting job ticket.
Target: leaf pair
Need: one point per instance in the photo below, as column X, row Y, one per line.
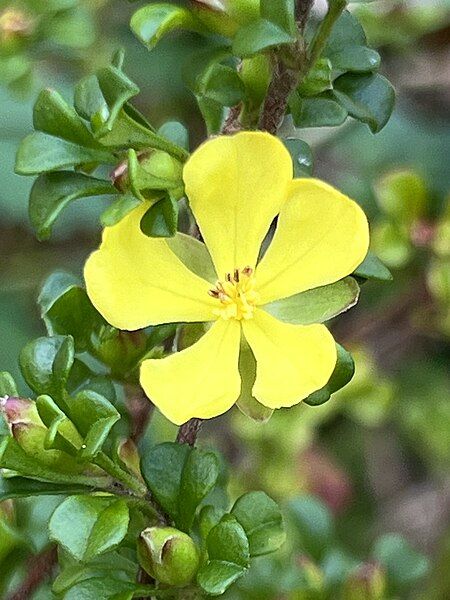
column 344, row 82
column 253, row 527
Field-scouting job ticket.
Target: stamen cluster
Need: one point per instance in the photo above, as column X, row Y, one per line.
column 237, row 295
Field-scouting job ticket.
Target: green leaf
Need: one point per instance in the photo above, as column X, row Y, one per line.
column 199, row 476
column 161, row 219
column 117, row 89
column 229, row 555
column 317, row 80
column 13, row 457
column 21, row 487
column 208, row 518
column 223, row 85
column 52, row 115
column 262, row 522
column 373, row 268
column 194, row 254
column 63, row 361
column 301, row 155
column 52, row 192
column 403, row 564
column 93, row 416
column 313, row 523
column 246, row 402
column 212, row 113
column 358, row 59
column 216, row 576
column 118, row 210
column 280, row 12
column 176, row 133
column 161, row 468
column 342, row 374
column 347, row 32
column 368, row 98
column 89, row 101
column 259, row 35
column 127, row 132
column 227, row 541
column 40, row 152
column 199, row 63
column 61, row 432
column 108, row 588
column 37, row 361
column 86, row 526
column 7, row 385
column 150, row 23
column 321, row 111
column 67, row 310
column 316, row 305
column 111, row 565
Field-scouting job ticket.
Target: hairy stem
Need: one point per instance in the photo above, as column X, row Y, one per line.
column 302, row 10
column 187, row 434
column 284, row 81
column 289, row 67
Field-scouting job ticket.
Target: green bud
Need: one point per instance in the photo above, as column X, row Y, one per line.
column 403, row 196
column 225, row 16
column 366, row 583
column 441, row 241
column 391, row 244
column 168, row 555
column 120, row 350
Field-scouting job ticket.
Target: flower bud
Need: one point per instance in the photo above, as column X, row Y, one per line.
column 225, row 16
column 30, row 433
column 19, row 410
column 14, row 24
column 366, row 583
column 168, row 555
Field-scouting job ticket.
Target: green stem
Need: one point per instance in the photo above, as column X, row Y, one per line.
column 335, row 10
column 129, row 481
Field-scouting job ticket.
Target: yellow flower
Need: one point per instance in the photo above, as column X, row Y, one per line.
column 236, row 186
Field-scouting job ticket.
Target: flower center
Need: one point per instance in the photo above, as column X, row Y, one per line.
column 236, row 295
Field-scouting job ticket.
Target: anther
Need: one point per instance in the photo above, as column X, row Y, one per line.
column 236, row 275
column 213, row 293
column 247, row 271
column 228, row 277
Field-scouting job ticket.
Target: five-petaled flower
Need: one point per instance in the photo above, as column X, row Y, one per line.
column 236, row 185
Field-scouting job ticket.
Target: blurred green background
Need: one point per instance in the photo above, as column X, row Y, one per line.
column 378, row 453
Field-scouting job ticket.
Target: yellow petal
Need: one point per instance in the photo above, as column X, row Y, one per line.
column 321, row 237
column 292, row 360
column 236, row 185
column 202, row 381
column 134, row 280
